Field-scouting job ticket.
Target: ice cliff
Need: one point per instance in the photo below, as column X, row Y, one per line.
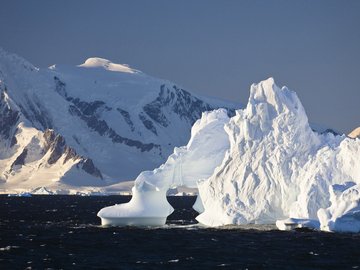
column 271, row 166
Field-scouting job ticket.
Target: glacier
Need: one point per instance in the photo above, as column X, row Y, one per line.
column 271, row 168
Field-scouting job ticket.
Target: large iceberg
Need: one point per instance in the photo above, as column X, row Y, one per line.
column 265, row 165
column 277, row 167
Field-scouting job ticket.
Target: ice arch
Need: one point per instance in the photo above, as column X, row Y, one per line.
column 185, row 167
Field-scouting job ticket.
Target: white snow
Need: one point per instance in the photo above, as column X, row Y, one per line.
column 97, row 62
column 344, row 213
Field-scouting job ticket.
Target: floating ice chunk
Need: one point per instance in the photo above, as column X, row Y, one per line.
column 42, row 191
column 293, row 223
column 146, row 208
column 21, row 194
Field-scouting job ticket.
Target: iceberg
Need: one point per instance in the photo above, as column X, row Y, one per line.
column 277, row 167
column 265, row 165
column 188, row 164
column 21, row 194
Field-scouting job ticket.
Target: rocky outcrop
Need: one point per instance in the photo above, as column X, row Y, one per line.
column 88, row 166
column 20, row 160
column 127, row 118
column 9, row 118
column 178, row 101
column 56, row 145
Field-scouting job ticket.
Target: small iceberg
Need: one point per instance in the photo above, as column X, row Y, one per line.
column 42, row 191
column 21, row 194
column 297, row 223
column 148, row 207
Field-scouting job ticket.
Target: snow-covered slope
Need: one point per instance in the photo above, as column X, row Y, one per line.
column 95, row 124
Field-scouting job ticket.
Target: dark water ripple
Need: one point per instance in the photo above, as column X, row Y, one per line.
column 63, row 232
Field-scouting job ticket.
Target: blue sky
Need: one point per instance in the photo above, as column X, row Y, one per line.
column 216, row 48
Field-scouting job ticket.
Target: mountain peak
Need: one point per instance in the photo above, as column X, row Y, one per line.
column 97, row 62
column 13, row 62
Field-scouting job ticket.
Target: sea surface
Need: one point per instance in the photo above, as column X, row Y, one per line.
column 63, row 232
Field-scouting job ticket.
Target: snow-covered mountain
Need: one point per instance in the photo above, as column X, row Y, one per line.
column 95, row 124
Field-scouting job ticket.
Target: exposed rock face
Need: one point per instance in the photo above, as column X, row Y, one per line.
column 9, row 117
column 88, row 166
column 127, row 118
column 56, row 145
column 20, row 160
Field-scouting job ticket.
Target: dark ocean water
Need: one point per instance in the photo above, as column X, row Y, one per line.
column 63, row 232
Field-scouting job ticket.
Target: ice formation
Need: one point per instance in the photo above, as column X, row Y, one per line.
column 277, row 167
column 184, row 167
column 344, row 212
column 272, row 168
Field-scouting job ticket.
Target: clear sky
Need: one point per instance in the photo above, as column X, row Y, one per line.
column 216, row 48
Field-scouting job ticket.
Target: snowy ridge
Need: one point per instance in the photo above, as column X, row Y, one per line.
column 117, row 119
